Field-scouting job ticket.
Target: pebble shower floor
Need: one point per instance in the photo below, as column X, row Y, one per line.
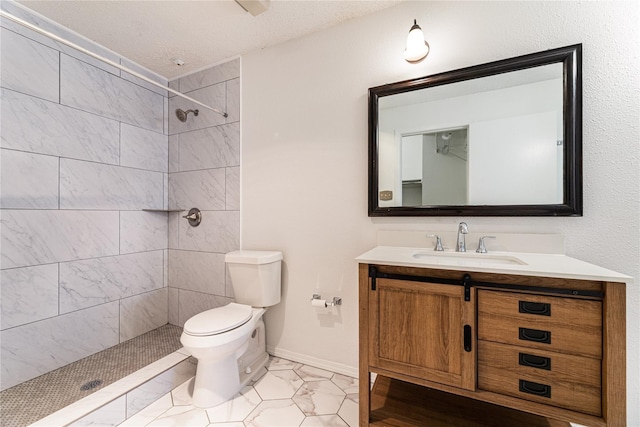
column 32, row 400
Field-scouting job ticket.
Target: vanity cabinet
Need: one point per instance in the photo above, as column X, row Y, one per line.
column 550, row 349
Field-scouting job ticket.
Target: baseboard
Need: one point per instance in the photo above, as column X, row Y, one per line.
column 338, row 368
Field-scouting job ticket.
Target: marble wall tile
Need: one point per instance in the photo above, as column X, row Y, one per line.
column 150, row 413
column 85, row 185
column 165, row 122
column 232, row 186
column 165, row 267
column 146, row 73
column 175, row 85
column 92, row 89
column 143, row 231
column 212, row 147
column 32, row 237
column 33, row 349
column 155, row 388
column 143, row 313
column 219, row 232
column 25, row 14
column 233, row 100
column 28, row 294
column 175, row 218
column 173, row 306
column 202, row 189
column 96, row 281
column 213, row 96
column 165, row 193
column 174, row 153
column 220, row 73
column 111, row 414
column 197, row 271
column 28, row 181
column 191, row 303
column 31, row 124
column 29, row 67
column 143, row 149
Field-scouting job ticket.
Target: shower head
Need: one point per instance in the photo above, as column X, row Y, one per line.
column 182, row 115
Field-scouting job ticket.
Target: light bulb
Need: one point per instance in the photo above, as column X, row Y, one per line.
column 417, row 47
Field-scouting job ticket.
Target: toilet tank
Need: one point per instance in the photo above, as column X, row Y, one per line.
column 255, row 276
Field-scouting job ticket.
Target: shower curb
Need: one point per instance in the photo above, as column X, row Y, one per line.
column 88, row 406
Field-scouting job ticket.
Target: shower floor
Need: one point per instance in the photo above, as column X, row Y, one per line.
column 32, row 400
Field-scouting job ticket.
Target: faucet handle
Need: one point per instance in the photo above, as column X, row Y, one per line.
column 438, row 242
column 482, row 249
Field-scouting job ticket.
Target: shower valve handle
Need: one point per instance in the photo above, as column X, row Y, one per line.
column 194, row 217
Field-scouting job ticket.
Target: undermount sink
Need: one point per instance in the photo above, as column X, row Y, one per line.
column 462, row 258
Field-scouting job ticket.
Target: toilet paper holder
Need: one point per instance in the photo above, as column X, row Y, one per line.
column 327, row 303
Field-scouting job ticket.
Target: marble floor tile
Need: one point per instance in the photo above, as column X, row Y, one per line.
column 347, row 384
column 275, row 413
column 182, row 416
column 278, row 385
column 319, row 398
column 278, row 364
column 324, row 421
column 349, row 410
column 310, row 373
column 236, row 409
column 324, row 399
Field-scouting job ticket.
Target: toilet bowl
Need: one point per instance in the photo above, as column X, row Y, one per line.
column 229, row 342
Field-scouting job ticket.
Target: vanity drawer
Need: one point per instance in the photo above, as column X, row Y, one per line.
column 567, row 325
column 570, row 382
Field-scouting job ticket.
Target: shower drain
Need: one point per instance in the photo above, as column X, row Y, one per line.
column 91, row 385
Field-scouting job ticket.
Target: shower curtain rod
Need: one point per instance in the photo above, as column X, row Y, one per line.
column 105, row 60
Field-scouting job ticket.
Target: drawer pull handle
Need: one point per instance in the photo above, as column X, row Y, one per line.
column 535, row 308
column 536, row 389
column 535, row 335
column 537, row 362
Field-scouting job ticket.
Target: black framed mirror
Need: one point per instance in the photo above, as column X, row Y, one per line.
column 497, row 139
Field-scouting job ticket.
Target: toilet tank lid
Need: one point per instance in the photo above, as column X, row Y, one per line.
column 253, row 257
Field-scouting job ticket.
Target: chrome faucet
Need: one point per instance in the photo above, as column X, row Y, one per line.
column 462, row 230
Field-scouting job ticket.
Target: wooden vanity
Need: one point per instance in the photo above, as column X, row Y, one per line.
column 458, row 347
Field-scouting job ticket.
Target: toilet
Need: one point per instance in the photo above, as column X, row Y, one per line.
column 229, row 342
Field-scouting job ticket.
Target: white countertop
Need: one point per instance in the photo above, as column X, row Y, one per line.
column 520, row 263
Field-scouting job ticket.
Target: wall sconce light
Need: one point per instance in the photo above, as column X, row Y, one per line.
column 417, row 47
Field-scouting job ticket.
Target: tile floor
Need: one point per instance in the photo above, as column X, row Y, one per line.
column 285, row 394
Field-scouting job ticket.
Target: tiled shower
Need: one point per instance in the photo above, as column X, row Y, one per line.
column 91, row 160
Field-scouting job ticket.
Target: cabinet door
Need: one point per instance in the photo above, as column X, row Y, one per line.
column 418, row 329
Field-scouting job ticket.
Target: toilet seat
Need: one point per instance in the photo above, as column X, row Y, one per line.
column 218, row 320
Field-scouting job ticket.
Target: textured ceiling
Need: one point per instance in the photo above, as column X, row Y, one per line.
column 200, row 32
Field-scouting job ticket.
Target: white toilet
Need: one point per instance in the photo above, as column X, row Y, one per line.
column 229, row 342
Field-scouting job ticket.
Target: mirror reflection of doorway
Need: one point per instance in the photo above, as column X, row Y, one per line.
column 435, row 167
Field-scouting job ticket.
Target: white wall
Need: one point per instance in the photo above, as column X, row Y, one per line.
column 304, row 165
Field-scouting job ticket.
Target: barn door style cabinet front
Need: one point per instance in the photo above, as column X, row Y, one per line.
column 475, row 349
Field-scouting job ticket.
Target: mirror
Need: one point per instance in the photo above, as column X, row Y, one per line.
column 497, row 139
